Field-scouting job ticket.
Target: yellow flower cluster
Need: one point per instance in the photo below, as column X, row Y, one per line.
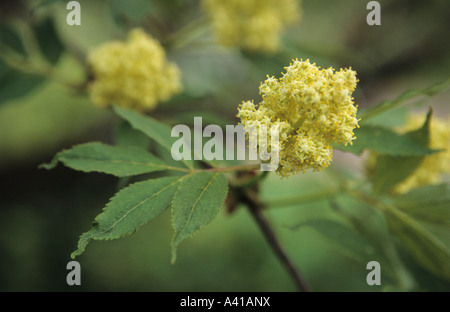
column 312, row 108
column 432, row 167
column 132, row 74
column 251, row 24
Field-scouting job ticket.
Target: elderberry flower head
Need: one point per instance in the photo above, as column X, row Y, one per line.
column 132, row 74
column 312, row 108
column 251, row 24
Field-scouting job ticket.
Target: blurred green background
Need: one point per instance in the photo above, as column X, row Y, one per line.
column 43, row 212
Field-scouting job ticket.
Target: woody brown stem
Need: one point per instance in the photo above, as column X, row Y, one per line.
column 256, row 209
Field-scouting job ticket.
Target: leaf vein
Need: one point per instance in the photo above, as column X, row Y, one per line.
column 139, row 204
column 197, row 200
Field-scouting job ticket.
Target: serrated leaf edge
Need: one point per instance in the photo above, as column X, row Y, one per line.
column 174, row 247
column 60, row 157
column 85, row 238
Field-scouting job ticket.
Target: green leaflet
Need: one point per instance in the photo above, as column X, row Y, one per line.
column 48, row 40
column 15, row 84
column 407, row 95
column 196, row 202
column 396, row 117
column 135, row 12
column 344, row 239
column 371, row 226
column 125, row 135
column 431, row 203
column 421, row 244
column 44, row 3
column 391, row 170
column 385, row 142
column 129, row 209
column 159, row 132
column 115, row 160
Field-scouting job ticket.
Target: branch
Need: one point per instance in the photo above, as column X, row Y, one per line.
column 256, row 207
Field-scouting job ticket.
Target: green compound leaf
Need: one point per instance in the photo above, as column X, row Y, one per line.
column 196, row 202
column 391, row 170
column 48, row 40
column 15, row 84
column 159, row 132
column 385, row 142
column 429, row 251
column 125, row 135
column 115, row 160
column 136, row 12
column 386, row 106
column 129, row 209
column 431, row 203
column 343, row 238
column 396, row 117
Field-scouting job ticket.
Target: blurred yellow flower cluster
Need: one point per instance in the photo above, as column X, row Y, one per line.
column 312, row 107
column 132, row 74
column 251, row 24
column 432, row 167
